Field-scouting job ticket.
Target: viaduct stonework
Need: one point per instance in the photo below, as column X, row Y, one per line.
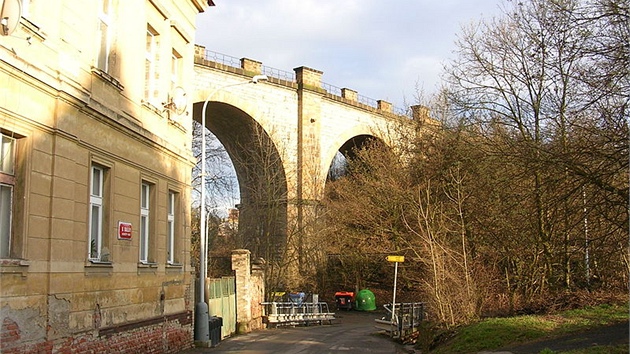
column 282, row 135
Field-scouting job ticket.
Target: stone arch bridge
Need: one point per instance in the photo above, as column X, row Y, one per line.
column 282, row 135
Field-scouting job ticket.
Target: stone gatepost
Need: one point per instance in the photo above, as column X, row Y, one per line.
column 250, row 291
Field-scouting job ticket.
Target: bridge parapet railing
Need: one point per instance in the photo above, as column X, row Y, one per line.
column 278, row 74
column 294, row 314
column 405, row 321
column 228, row 61
column 337, row 91
column 235, row 63
column 224, row 59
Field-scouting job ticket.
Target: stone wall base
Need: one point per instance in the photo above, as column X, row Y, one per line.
column 163, row 335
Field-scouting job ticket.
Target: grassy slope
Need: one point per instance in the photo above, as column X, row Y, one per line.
column 495, row 333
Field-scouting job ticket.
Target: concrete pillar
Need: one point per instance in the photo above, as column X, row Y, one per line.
column 420, row 113
column 242, row 271
column 308, row 78
column 258, row 295
column 250, row 290
column 349, row 94
column 309, row 186
column 200, row 52
column 251, row 67
column 384, row 106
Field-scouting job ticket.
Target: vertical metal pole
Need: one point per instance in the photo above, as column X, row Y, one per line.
column 203, row 262
column 202, row 317
column 202, row 326
column 394, row 297
column 586, row 245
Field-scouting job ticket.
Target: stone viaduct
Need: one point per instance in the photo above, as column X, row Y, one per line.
column 282, row 135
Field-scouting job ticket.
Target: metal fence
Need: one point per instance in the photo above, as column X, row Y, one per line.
column 295, row 314
column 405, row 321
column 289, row 76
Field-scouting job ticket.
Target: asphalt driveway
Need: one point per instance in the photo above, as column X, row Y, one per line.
column 351, row 332
column 354, row 332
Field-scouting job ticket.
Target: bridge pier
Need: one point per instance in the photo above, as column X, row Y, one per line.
column 310, row 180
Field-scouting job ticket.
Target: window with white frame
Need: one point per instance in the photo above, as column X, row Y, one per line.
column 103, row 40
column 145, row 221
column 176, row 69
column 7, row 183
column 97, row 182
column 26, row 8
column 170, row 228
column 151, row 78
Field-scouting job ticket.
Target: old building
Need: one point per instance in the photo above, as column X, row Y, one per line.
column 95, row 174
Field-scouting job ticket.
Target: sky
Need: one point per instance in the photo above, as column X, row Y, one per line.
column 384, row 50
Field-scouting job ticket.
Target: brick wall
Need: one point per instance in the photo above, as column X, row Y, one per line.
column 165, row 335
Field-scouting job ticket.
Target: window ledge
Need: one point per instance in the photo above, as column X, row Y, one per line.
column 152, row 107
column 14, row 262
column 97, row 263
column 147, row 267
column 14, row 266
column 95, row 267
column 176, row 124
column 108, row 78
column 174, row 267
column 33, row 29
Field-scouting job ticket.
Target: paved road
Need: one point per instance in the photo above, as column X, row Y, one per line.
column 351, row 332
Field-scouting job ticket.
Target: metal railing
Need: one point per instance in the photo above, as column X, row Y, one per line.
column 224, row 59
column 278, row 74
column 289, row 76
column 405, row 321
column 294, row 314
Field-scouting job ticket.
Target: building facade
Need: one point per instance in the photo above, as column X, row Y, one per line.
column 95, row 176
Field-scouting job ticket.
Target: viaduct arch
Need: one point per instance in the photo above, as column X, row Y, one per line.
column 282, row 136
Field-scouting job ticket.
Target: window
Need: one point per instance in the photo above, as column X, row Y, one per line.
column 7, row 182
column 151, row 66
column 95, row 247
column 170, row 226
column 26, row 8
column 145, row 221
column 7, row 155
column 176, row 69
column 103, row 39
column 13, row 148
column 6, row 202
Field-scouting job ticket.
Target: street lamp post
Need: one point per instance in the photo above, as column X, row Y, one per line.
column 202, row 328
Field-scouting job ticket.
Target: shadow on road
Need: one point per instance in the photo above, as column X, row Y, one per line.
column 351, row 332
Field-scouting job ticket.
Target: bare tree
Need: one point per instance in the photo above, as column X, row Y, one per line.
column 534, row 84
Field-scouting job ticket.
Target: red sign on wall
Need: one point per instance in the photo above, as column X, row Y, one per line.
column 124, row 230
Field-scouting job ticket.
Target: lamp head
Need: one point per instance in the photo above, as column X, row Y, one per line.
column 257, row 78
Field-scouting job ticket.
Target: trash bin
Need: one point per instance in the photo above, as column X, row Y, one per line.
column 366, row 301
column 297, row 298
column 344, row 300
column 215, row 324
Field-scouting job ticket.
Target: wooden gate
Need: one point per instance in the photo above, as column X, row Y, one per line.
column 221, row 299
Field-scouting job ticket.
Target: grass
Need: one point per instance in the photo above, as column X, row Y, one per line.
column 495, row 333
column 604, row 349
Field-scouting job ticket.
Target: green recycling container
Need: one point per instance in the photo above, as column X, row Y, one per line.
column 366, row 301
